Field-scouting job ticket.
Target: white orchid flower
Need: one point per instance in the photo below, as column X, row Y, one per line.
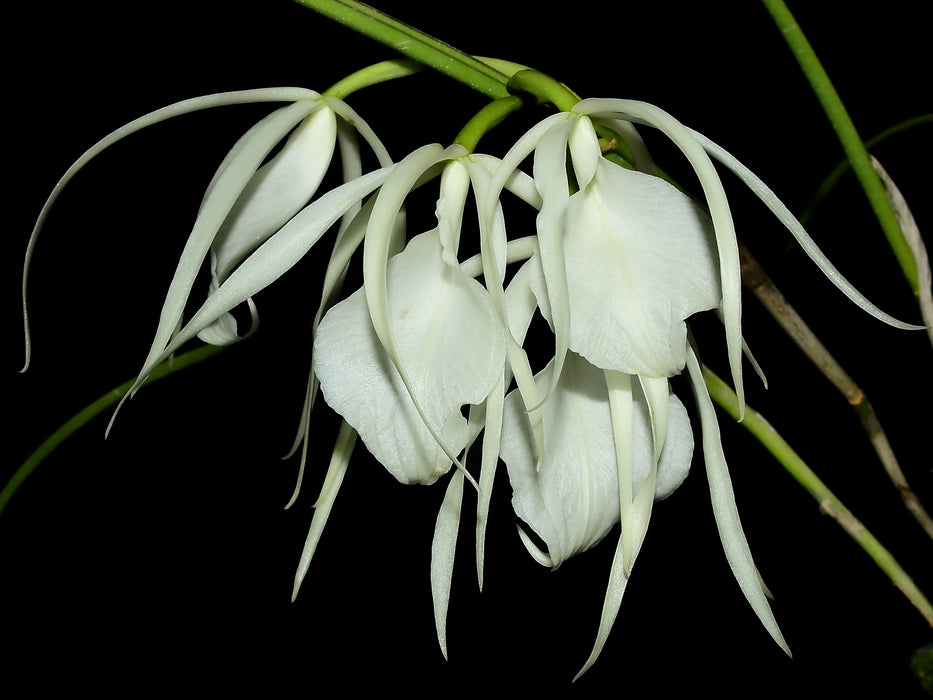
column 421, row 343
column 251, row 199
column 418, row 360
column 625, row 259
column 401, row 357
column 247, row 200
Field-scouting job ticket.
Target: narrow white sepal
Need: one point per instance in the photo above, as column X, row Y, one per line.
column 725, row 511
column 277, row 191
column 376, row 251
column 492, row 240
column 443, row 549
column 179, row 108
column 796, row 229
column 232, row 176
column 668, row 472
column 622, row 411
column 492, row 433
column 346, row 439
column 550, row 173
column 584, row 149
column 612, row 602
column 271, row 260
column 349, row 237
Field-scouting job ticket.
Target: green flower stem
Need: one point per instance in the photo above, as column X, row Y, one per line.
column 486, row 119
column 544, row 87
column 723, row 395
column 848, row 136
column 373, row 75
column 414, row 44
column 91, row 411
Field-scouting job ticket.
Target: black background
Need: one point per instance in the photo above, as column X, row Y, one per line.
column 163, row 558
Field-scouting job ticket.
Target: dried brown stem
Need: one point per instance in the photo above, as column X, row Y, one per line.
column 756, row 279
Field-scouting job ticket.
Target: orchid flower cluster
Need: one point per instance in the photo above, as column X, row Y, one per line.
column 431, row 356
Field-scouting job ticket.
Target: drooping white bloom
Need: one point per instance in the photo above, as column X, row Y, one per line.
column 421, row 342
column 275, row 193
column 625, row 260
column 402, row 356
column 250, row 200
column 245, row 201
column 418, row 361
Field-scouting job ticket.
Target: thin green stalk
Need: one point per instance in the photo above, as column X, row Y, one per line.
column 848, row 136
column 92, row 410
column 544, row 87
column 373, row 75
column 723, row 395
column 412, row 43
column 486, row 119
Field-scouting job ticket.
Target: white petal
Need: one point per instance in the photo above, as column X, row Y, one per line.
column 550, row 172
column 725, row 511
column 173, row 110
column 232, row 175
column 493, row 253
column 584, row 151
column 277, row 191
column 783, row 214
column 276, row 256
column 455, row 185
column 376, row 251
column 443, row 549
column 676, row 455
column 640, row 259
column 490, row 458
column 612, row 601
column 622, row 413
column 340, row 459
